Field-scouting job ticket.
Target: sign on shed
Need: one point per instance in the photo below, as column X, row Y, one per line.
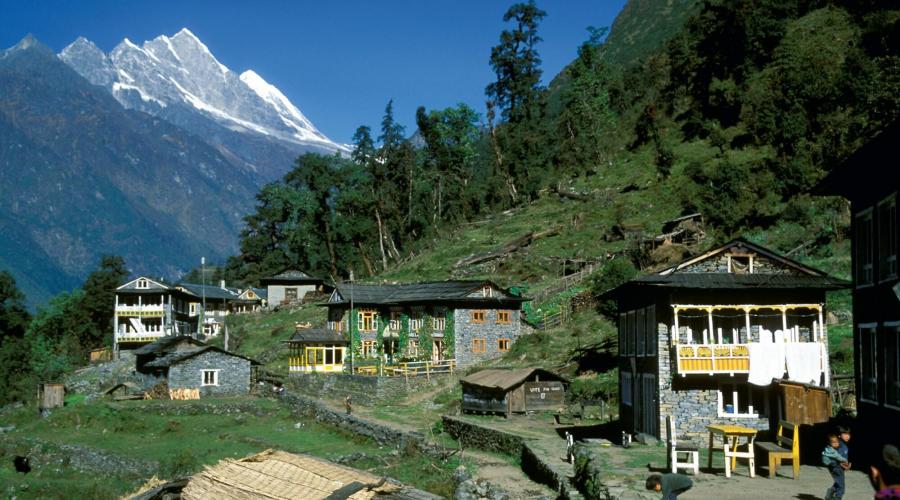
column 513, row 391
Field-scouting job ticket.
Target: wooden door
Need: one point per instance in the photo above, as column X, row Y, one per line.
column 649, row 417
column 437, row 350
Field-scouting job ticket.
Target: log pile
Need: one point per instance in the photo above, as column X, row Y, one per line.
column 158, row 391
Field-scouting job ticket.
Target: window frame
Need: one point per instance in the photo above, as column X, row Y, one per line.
column 363, row 317
column 738, row 391
column 142, row 284
column 891, row 337
column 215, row 377
column 504, row 317
column 504, row 344
column 887, row 244
column 368, row 349
column 864, row 268
column 479, row 344
column 868, row 386
column 626, row 387
column 479, row 312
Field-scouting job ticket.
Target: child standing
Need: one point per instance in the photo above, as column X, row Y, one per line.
column 837, row 463
column 671, row 485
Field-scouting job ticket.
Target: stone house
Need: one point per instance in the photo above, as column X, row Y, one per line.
column 866, row 180
column 291, row 286
column 705, row 340
column 187, row 363
column 469, row 321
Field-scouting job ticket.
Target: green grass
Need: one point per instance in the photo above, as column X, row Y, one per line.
column 182, row 444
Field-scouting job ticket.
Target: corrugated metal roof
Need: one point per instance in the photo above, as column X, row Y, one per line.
column 213, row 292
column 730, row 281
column 166, row 343
column 507, row 379
column 454, row 290
column 318, row 335
column 172, row 358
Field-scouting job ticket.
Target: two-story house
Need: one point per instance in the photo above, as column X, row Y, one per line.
column 870, row 181
column 704, row 340
column 468, row 321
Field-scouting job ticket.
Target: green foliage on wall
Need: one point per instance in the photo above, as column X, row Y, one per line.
column 355, row 342
column 426, row 344
column 379, row 336
column 449, row 335
column 403, row 340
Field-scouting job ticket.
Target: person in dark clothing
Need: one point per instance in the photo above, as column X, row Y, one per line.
column 885, row 474
column 670, row 485
column 348, row 403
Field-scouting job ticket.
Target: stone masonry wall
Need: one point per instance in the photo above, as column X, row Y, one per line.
column 233, row 378
column 692, row 409
column 490, row 330
column 365, row 390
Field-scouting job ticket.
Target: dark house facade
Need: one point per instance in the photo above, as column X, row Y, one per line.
column 468, row 321
column 869, row 179
column 187, row 363
column 706, row 340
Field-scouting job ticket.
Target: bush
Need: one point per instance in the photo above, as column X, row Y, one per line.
column 181, row 465
column 611, row 275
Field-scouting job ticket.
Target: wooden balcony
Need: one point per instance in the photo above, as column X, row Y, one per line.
column 713, row 358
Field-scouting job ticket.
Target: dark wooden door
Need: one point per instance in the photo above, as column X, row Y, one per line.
column 649, row 418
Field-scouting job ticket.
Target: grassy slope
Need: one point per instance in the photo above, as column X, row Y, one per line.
column 183, row 443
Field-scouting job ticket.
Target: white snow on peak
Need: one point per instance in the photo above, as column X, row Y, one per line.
column 273, row 96
column 186, row 33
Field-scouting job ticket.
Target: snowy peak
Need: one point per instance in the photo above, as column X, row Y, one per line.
column 180, row 70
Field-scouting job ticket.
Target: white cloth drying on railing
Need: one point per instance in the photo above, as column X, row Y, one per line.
column 765, row 336
column 804, row 361
column 766, row 362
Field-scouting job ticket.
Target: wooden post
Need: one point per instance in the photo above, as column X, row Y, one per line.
column 784, row 319
column 676, row 336
column 822, row 326
column 712, row 333
column 747, row 322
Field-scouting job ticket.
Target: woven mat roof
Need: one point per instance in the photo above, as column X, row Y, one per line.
column 282, row 475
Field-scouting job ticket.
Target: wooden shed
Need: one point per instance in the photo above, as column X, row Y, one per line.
column 51, row 395
column 803, row 403
column 513, row 391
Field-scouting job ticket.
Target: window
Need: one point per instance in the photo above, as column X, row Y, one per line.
column 868, row 381
column 887, row 238
column 416, row 319
column 743, row 400
column 503, row 345
column 193, row 308
column 650, row 318
column 368, row 349
column 640, row 332
column 891, row 338
column 210, row 377
column 487, row 291
column 478, row 316
column 396, row 322
column 290, row 294
column 625, row 390
column 504, row 317
column 863, row 241
column 439, row 320
column 740, row 263
column 366, row 320
column 479, row 345
column 413, row 347
column 142, row 283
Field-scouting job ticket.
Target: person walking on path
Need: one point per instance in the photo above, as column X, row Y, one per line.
column 670, row 485
column 834, row 456
column 348, row 403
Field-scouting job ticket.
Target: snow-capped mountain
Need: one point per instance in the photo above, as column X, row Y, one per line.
column 180, row 71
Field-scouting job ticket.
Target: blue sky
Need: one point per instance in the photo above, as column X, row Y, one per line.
column 339, row 62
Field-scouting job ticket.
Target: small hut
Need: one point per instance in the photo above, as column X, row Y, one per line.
column 513, row 391
column 51, row 395
column 316, row 350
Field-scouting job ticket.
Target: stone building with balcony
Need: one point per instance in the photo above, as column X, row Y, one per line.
column 468, row 321
column 707, row 340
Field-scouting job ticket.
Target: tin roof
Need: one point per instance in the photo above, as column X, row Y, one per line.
column 318, row 335
column 505, row 380
column 432, row 291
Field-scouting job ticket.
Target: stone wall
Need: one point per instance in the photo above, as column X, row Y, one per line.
column 692, row 401
column 366, row 390
column 276, row 293
column 484, row 438
column 466, row 330
column 233, row 376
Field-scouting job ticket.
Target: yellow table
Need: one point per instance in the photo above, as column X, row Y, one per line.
column 730, row 449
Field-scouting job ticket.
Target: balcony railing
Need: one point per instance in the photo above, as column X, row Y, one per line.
column 713, row 358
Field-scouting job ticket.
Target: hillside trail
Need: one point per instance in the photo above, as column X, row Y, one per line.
column 499, row 470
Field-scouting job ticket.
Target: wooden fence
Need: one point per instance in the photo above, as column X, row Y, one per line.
column 411, row 369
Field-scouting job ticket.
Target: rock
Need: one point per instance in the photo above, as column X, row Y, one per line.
column 461, row 474
column 298, row 425
column 466, row 490
column 8, row 428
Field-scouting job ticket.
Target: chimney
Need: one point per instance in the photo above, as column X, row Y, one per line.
column 222, row 283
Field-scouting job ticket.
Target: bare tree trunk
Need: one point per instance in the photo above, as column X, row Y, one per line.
column 498, row 155
column 384, row 262
column 365, row 257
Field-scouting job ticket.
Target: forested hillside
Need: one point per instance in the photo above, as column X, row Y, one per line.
column 738, row 116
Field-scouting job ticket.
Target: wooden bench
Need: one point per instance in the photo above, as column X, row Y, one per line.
column 786, row 447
